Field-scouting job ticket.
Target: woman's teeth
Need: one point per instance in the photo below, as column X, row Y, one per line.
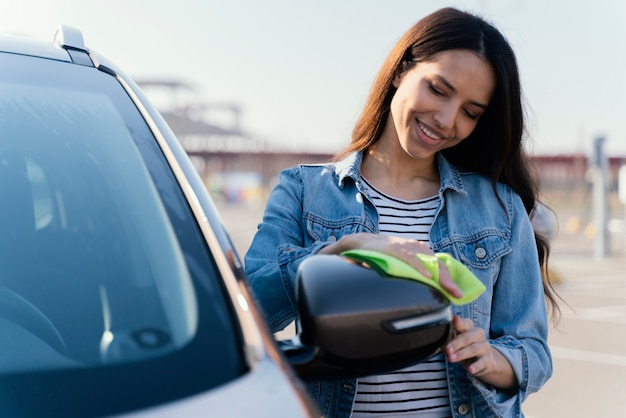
column 428, row 132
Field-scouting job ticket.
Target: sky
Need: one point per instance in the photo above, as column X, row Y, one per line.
column 301, row 70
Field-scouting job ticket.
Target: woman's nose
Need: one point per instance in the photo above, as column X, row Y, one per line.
column 445, row 117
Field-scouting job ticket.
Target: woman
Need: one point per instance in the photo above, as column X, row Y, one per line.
column 436, row 164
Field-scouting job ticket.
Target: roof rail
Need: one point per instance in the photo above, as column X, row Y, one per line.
column 69, row 37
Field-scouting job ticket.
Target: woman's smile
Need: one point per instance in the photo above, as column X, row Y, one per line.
column 437, row 103
column 429, row 136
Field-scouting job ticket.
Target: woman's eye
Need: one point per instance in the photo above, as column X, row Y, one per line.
column 471, row 115
column 435, row 90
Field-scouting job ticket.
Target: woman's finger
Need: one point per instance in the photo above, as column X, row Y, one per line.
column 446, row 281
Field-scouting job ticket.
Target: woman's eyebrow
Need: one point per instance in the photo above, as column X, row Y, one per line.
column 451, row 87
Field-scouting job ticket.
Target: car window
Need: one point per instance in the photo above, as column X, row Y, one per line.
column 103, row 271
column 96, row 201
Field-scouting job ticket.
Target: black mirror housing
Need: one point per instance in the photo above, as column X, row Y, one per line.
column 357, row 321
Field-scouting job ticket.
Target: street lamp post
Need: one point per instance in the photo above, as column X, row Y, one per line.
column 600, row 196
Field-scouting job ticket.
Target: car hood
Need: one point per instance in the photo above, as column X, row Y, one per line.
column 263, row 392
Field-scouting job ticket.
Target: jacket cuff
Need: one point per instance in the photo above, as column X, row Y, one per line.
column 513, row 350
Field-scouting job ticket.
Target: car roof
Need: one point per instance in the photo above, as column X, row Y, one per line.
column 56, row 49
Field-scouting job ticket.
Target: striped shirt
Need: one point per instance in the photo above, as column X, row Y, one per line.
column 420, row 390
column 403, row 218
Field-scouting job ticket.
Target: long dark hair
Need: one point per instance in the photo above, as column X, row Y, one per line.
column 495, row 146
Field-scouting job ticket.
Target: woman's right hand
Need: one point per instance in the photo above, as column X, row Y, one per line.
column 402, row 248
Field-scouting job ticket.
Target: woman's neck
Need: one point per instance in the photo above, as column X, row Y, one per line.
column 398, row 174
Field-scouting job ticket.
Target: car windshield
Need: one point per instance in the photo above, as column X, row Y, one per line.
column 85, row 225
column 103, row 272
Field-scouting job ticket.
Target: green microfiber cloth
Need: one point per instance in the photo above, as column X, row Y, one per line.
column 470, row 285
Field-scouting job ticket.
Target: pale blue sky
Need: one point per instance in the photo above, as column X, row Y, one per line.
column 301, row 70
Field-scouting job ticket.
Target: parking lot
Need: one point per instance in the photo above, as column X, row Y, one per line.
column 589, row 343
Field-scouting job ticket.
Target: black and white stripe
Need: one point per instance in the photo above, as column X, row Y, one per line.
column 403, row 218
column 422, row 389
column 417, row 391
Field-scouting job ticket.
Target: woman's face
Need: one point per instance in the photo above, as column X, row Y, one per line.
column 438, row 103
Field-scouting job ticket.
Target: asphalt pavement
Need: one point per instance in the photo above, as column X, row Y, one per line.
column 588, row 344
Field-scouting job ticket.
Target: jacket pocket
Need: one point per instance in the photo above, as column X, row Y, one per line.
column 323, row 229
column 482, row 250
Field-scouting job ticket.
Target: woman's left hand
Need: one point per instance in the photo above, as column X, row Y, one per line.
column 471, row 348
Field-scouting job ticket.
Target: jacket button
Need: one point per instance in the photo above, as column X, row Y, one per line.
column 480, row 252
column 463, row 409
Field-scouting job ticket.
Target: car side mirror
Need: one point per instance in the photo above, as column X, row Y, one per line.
column 355, row 320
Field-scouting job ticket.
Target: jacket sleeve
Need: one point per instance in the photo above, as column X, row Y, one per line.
column 278, row 249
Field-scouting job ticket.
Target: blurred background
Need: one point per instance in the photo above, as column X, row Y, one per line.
column 299, row 71
column 252, row 87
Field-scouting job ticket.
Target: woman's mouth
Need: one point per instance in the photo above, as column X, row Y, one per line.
column 429, row 136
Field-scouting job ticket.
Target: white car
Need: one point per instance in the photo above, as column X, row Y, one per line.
column 120, row 291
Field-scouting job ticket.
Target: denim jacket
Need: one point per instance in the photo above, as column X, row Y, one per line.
column 314, row 205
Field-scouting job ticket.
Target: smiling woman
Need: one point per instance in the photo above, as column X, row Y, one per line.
column 437, row 103
column 436, row 165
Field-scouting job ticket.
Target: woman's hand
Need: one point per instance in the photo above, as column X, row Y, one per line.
column 471, row 348
column 402, row 248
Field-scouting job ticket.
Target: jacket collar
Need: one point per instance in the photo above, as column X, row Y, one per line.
column 450, row 175
column 350, row 167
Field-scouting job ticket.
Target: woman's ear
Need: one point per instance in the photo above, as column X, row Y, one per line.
column 405, row 67
column 397, row 78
